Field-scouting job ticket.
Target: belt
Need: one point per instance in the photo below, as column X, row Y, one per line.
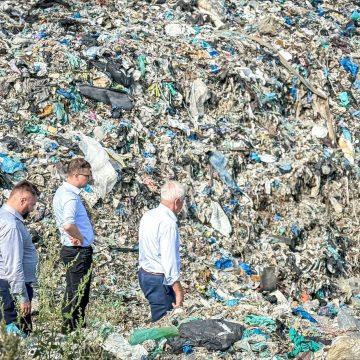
column 152, row 273
column 77, row 247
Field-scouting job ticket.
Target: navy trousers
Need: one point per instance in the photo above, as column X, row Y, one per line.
column 8, row 308
column 160, row 296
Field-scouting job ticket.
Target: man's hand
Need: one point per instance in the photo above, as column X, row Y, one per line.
column 75, row 241
column 179, row 294
column 177, row 306
column 74, row 234
column 25, row 308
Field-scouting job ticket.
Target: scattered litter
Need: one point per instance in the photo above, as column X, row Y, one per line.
column 254, row 105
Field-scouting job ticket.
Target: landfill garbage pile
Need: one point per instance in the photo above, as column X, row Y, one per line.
column 254, row 105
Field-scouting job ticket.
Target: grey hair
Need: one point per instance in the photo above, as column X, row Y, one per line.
column 172, row 190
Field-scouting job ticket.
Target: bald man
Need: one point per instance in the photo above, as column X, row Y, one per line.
column 159, row 256
column 18, row 257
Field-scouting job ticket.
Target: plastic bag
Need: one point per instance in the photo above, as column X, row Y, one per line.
column 260, row 321
column 9, row 165
column 223, row 263
column 346, row 321
column 141, row 335
column 349, row 66
column 119, row 347
column 304, row 314
column 199, row 94
column 218, row 161
column 104, row 174
column 301, row 344
column 13, row 329
column 211, row 334
column 219, row 221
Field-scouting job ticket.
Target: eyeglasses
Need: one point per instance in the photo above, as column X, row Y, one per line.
column 87, row 175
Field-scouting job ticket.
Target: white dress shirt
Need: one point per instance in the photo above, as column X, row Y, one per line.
column 159, row 244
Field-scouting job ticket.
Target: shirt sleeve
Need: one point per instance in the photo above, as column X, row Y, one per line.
column 169, row 252
column 12, row 250
column 69, row 211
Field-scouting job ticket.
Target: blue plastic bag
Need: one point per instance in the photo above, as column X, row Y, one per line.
column 212, row 294
column 223, row 263
column 285, row 167
column 9, row 165
column 304, row 314
column 355, row 15
column 277, row 217
column 13, row 329
column 232, row 302
column 289, row 21
column 295, row 230
column 246, row 268
column 187, row 349
column 349, row 66
column 254, row 156
column 346, row 134
column 218, row 161
column 293, row 88
column 253, row 332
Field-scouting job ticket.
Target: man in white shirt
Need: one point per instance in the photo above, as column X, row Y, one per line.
column 159, row 257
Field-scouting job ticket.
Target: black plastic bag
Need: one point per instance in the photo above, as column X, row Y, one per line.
column 211, row 334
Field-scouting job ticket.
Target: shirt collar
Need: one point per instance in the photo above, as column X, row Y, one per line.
column 72, row 188
column 12, row 211
column 168, row 211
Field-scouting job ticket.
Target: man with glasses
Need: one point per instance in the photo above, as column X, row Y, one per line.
column 18, row 257
column 77, row 235
column 159, row 256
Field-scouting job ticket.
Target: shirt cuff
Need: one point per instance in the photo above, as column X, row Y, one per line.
column 24, row 298
column 19, row 290
column 69, row 222
column 171, row 279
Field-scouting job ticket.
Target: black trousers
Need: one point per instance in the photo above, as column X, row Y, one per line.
column 8, row 308
column 78, row 261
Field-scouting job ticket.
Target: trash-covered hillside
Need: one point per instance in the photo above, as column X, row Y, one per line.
column 254, row 105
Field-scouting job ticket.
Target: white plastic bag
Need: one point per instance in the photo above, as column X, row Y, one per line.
column 104, row 174
column 219, row 221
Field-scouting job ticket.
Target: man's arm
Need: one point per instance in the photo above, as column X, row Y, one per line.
column 12, row 250
column 179, row 294
column 70, row 227
column 74, row 234
column 169, row 250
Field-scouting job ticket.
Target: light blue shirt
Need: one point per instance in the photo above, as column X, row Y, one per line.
column 69, row 209
column 159, row 244
column 18, row 256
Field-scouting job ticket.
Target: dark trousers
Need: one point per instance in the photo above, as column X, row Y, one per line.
column 160, row 296
column 78, row 261
column 8, row 308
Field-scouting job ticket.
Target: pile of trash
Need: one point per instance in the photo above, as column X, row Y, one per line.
column 254, row 105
